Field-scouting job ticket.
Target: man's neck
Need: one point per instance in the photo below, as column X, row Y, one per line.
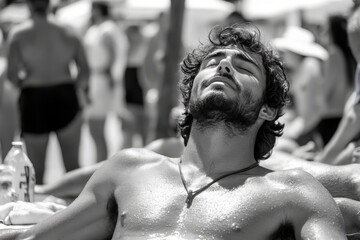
column 214, row 152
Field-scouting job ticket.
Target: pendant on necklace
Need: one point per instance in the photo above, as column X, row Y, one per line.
column 189, row 198
column 192, row 194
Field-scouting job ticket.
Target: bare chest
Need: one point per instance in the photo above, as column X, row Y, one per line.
column 158, row 207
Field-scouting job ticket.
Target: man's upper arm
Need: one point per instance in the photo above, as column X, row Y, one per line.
column 324, row 220
column 81, row 61
column 321, row 229
column 87, row 217
column 13, row 58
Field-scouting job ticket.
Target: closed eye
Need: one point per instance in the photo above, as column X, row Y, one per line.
column 211, row 63
column 242, row 69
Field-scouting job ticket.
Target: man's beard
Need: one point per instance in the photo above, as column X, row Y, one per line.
column 237, row 115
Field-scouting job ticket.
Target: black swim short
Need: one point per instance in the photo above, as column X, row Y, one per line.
column 47, row 109
column 133, row 89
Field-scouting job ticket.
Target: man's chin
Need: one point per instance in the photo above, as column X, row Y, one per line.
column 213, row 102
column 221, row 87
column 217, row 94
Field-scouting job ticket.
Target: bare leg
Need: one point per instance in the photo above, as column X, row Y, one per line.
column 136, row 124
column 69, row 140
column 128, row 133
column 97, row 131
column 36, row 145
column 141, row 123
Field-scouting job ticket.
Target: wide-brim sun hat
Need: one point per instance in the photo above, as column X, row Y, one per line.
column 300, row 41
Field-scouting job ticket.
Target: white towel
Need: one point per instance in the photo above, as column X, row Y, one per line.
column 23, row 213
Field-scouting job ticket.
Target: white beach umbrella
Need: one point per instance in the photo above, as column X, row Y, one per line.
column 263, row 9
column 200, row 15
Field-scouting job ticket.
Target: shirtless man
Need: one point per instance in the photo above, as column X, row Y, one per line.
column 40, row 56
column 234, row 90
column 341, row 181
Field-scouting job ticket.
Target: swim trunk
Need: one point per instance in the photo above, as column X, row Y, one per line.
column 47, row 109
column 133, row 90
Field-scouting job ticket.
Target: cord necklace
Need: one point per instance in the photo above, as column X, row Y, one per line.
column 192, row 194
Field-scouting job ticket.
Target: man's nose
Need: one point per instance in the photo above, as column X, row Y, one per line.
column 225, row 67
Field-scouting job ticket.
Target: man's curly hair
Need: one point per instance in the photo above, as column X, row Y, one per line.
column 277, row 86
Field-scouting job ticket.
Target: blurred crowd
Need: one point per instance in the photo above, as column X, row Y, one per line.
column 106, row 73
column 55, row 79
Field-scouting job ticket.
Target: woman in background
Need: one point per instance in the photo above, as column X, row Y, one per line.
column 339, row 76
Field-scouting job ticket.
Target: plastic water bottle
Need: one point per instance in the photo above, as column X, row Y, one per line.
column 23, row 179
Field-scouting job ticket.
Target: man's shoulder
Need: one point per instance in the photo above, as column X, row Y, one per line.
column 295, row 182
column 110, row 26
column 296, row 185
column 299, row 198
column 129, row 162
column 136, row 157
column 66, row 29
column 172, row 147
column 20, row 30
column 291, row 176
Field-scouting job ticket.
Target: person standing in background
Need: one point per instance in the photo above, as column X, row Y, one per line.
column 153, row 70
column 134, row 88
column 349, row 127
column 339, row 76
column 40, row 54
column 106, row 47
column 304, row 61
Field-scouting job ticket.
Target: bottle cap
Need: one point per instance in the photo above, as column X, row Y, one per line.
column 17, row 143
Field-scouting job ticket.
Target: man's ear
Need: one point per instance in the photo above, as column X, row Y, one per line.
column 267, row 113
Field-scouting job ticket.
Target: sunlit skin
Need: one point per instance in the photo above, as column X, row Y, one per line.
column 150, row 195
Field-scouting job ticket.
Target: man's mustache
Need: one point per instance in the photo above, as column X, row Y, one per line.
column 230, row 77
column 227, row 75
